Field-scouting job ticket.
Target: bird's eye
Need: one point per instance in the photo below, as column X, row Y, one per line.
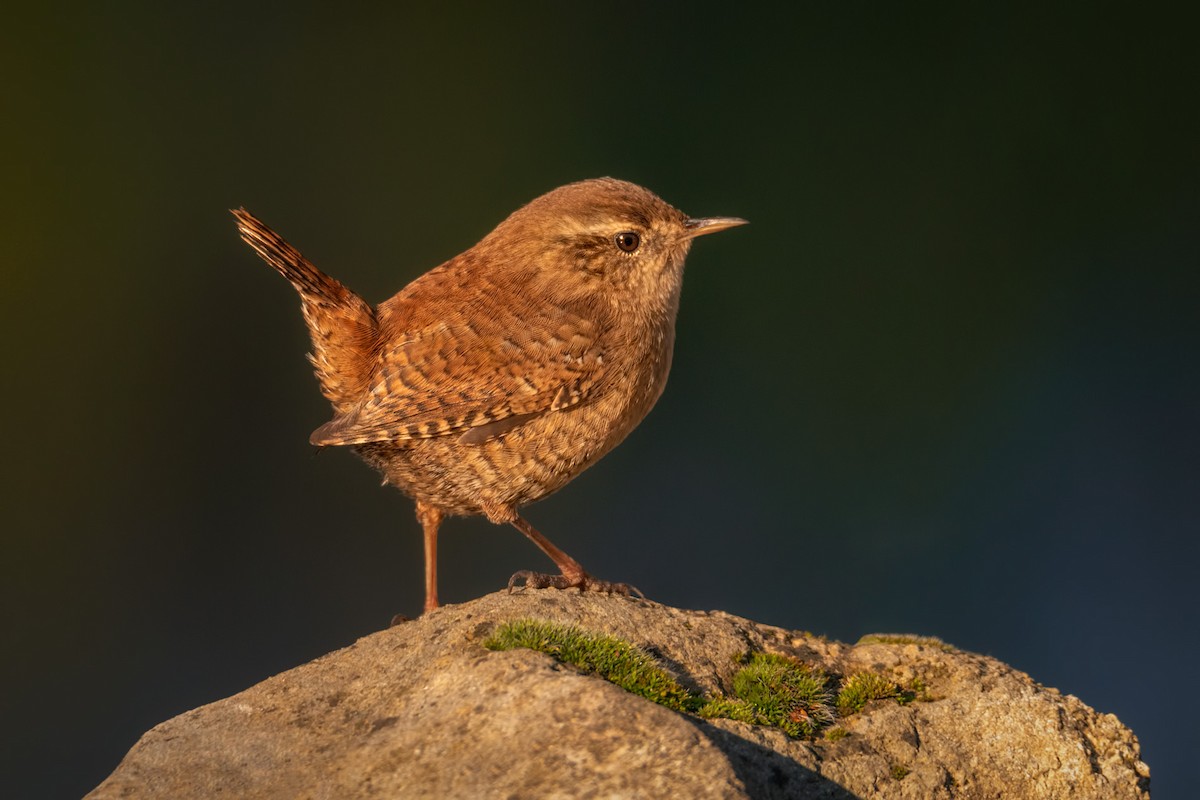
column 628, row 241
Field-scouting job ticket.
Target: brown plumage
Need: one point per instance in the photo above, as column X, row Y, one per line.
column 494, row 379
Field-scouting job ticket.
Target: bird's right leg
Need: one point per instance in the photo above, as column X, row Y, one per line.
column 572, row 574
column 430, row 518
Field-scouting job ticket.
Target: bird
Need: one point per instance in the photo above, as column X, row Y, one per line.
column 494, row 379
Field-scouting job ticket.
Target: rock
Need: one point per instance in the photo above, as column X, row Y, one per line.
column 424, row 710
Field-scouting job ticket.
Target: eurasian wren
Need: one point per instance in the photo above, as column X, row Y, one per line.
column 494, row 379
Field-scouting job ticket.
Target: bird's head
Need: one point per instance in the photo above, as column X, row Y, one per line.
column 604, row 238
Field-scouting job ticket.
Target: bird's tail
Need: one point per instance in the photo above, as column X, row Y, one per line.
column 342, row 325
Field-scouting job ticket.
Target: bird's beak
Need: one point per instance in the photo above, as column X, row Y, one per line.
column 701, row 227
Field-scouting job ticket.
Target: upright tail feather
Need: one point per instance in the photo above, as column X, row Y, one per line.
column 287, row 260
column 342, row 325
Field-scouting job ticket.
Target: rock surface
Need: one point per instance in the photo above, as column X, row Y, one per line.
column 424, row 710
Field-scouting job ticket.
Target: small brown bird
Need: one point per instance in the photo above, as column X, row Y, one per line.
column 494, row 379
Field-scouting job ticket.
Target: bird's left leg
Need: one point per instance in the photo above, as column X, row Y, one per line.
column 430, row 518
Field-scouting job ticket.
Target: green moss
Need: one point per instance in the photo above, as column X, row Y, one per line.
column 728, row 708
column 785, row 693
column 767, row 689
column 862, row 687
column 908, row 638
column 900, row 772
column 914, row 690
column 610, row 658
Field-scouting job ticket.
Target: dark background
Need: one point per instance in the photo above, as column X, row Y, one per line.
column 945, row 383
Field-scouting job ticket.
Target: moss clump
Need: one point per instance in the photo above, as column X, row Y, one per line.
column 915, row 690
column 768, row 689
column 784, row 693
column 908, row 638
column 610, row 658
column 900, row 772
column 729, row 708
column 862, row 687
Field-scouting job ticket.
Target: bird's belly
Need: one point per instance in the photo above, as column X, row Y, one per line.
column 520, row 467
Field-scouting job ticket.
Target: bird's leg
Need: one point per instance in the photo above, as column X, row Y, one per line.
column 430, row 518
column 573, row 575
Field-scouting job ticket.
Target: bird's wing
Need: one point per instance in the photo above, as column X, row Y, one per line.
column 476, row 377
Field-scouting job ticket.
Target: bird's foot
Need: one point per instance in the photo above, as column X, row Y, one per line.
column 583, row 582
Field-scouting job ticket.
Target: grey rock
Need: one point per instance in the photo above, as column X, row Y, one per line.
column 423, row 710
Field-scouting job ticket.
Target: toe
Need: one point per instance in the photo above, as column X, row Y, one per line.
column 527, row 579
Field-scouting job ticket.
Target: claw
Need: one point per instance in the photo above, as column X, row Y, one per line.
column 585, row 583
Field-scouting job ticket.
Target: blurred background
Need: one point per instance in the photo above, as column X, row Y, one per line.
column 945, row 383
